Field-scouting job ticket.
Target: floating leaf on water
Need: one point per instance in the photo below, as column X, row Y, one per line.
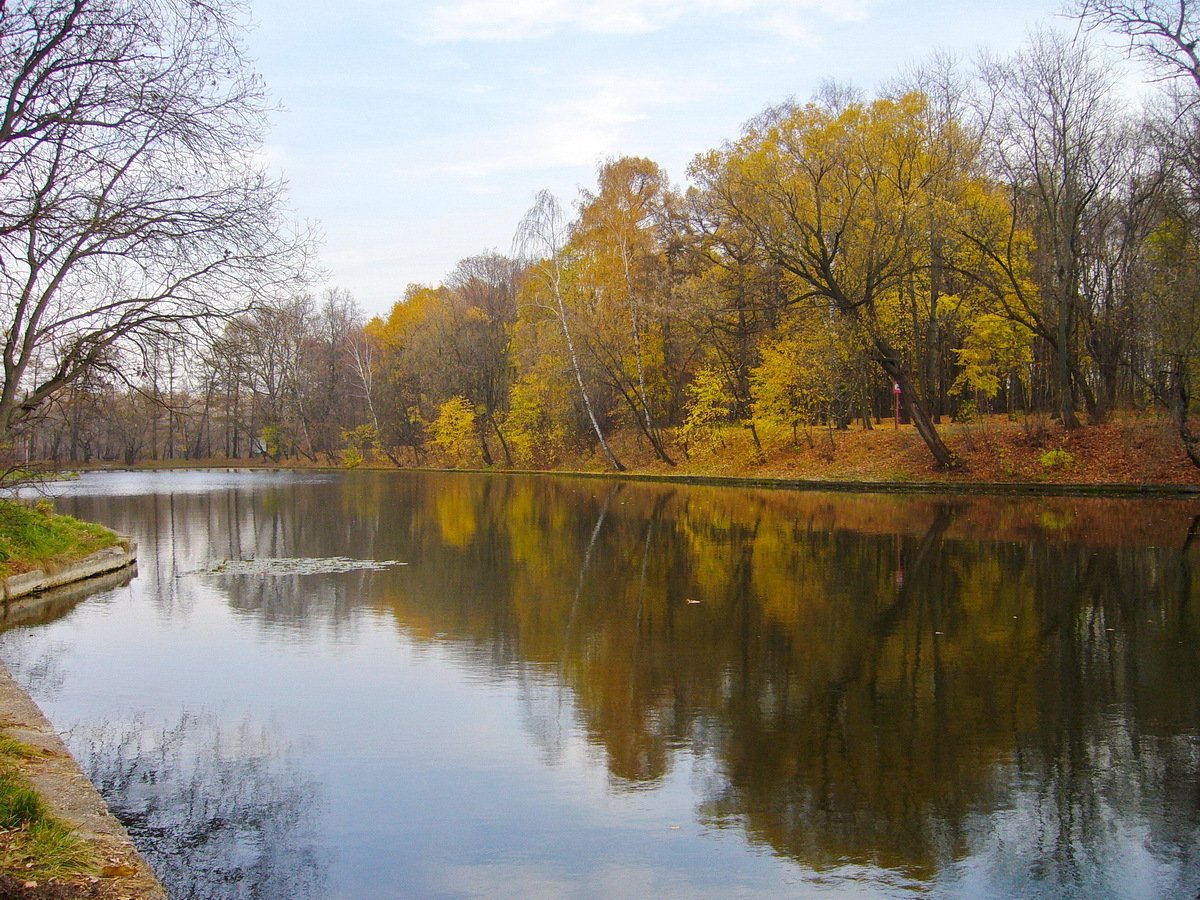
column 304, row 565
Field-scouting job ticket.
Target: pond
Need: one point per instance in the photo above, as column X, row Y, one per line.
column 383, row 684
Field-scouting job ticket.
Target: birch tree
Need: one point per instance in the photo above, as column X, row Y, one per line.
column 541, row 242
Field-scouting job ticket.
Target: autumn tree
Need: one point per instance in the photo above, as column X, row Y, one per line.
column 478, row 321
column 836, row 198
column 800, row 377
column 618, row 251
column 732, row 296
column 541, row 244
column 393, row 361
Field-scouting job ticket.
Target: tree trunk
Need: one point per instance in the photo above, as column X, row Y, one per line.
column 917, row 412
column 587, row 401
column 1063, row 370
column 1179, row 402
column 500, row 436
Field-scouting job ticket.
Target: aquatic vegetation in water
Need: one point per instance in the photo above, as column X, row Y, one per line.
column 303, row 565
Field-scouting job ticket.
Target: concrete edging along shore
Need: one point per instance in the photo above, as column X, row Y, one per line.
column 110, row 559
column 72, row 798
column 54, row 773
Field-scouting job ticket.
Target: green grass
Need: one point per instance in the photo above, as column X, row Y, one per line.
column 33, row 536
column 33, row 844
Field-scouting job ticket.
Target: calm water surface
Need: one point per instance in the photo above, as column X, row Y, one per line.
column 586, row 689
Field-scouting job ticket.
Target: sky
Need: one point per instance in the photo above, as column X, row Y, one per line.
column 415, row 133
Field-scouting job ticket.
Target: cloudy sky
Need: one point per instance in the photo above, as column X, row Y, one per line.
column 416, row 132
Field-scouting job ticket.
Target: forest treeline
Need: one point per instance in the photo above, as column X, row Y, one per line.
column 1020, row 236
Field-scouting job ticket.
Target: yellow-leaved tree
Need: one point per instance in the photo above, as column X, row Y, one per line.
column 454, row 431
column 618, row 253
column 795, row 382
column 708, row 408
column 847, row 198
column 997, row 354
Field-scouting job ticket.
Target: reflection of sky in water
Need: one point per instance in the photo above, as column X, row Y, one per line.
column 419, row 766
column 403, row 753
column 191, row 481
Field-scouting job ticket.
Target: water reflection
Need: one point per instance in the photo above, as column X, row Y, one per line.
column 47, row 606
column 218, row 812
column 971, row 695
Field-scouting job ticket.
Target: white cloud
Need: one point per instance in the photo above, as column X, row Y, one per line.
column 597, row 116
column 514, row 20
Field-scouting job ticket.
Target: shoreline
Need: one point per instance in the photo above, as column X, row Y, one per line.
column 36, row 581
column 28, row 599
column 766, row 482
column 58, row 779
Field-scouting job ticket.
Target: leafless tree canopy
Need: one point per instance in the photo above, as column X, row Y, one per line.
column 132, row 205
column 1165, row 32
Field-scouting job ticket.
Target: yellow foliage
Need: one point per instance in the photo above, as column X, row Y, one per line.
column 454, row 431
column 996, row 347
column 708, row 408
column 536, row 436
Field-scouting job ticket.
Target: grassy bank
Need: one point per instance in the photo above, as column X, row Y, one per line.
column 34, row 846
column 33, row 536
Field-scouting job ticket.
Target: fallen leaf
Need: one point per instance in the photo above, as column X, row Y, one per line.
column 118, row 871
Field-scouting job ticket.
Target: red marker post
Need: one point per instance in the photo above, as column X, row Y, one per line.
column 896, row 395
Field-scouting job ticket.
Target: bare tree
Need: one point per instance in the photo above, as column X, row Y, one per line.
column 131, row 203
column 1166, row 33
column 1057, row 134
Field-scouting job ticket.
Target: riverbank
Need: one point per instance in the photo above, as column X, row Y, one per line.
column 113, row 868
column 61, row 840
column 34, row 537
column 1130, row 456
column 1034, row 454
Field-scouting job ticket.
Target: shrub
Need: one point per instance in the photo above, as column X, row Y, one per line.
column 1057, row 459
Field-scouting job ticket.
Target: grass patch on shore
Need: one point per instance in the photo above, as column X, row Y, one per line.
column 33, row 536
column 33, row 844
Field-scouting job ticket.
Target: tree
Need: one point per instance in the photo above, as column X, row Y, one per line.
column 1058, row 138
column 837, row 197
column 1172, row 324
column 796, row 382
column 624, row 266
column 131, row 204
column 454, row 430
column 476, row 338
column 1166, row 33
column 541, row 240
column 708, row 409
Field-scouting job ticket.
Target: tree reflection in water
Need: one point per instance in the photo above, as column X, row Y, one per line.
column 980, row 695
column 219, row 812
column 946, row 689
